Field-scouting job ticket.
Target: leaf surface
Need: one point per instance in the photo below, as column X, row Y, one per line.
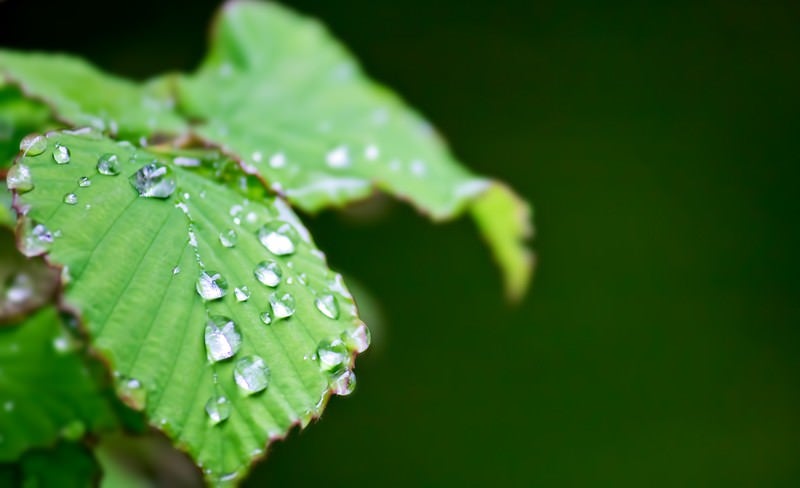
column 134, row 264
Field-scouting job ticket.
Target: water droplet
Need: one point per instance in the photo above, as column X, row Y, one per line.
column 251, row 374
column 218, row 409
column 282, row 306
column 61, row 153
column 333, row 356
column 32, row 145
column 418, row 168
column 187, row 162
column 277, row 160
column 19, row 178
column 20, row 289
column 62, row 344
column 153, row 181
column 278, row 237
column 327, row 306
column 228, row 238
column 176, row 270
column 211, row 285
column 266, row 318
column 131, row 392
column 221, row 337
column 371, row 152
column 83, row 182
column 70, row 199
column 36, row 239
column 344, row 383
column 242, row 294
column 358, row 339
column 268, row 273
column 338, row 157
column 108, row 164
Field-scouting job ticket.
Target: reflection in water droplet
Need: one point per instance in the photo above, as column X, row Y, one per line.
column 358, row 339
column 278, row 237
column 344, row 383
column 282, row 306
column 221, row 338
column 269, row 273
column 327, row 306
column 61, row 154
column 211, row 285
column 108, row 164
column 338, row 157
column 70, row 199
column 218, row 409
column 251, row 374
column 228, row 238
column 32, row 145
column 242, row 294
column 333, row 356
column 83, row 182
column 154, row 180
column 19, row 178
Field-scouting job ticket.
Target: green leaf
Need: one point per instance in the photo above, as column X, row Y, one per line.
column 68, row 465
column 134, row 264
column 81, row 95
column 19, row 116
column 7, row 217
column 279, row 92
column 47, row 390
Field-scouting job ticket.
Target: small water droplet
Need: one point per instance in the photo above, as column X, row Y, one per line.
column 187, row 162
column 20, row 289
column 62, row 344
column 154, row 180
column 282, row 305
column 19, row 178
column 418, row 168
column 70, row 199
column 242, row 294
column 344, row 383
column 176, row 270
column 218, row 409
column 61, row 154
column 228, row 238
column 33, row 145
column 36, row 239
column 251, row 374
column 326, row 304
column 211, row 285
column 222, row 338
column 131, row 392
column 358, row 339
column 269, row 273
column 333, row 356
column 278, row 237
column 278, row 160
column 338, row 157
column 108, row 164
column 371, row 152
column 266, row 318
column 83, row 182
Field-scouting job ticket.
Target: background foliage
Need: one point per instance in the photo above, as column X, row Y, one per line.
column 659, row 344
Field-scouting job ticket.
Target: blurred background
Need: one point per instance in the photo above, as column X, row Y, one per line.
column 660, row 343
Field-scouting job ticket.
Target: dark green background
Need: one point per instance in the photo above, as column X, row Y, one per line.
column 660, row 343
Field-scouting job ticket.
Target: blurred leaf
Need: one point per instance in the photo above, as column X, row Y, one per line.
column 7, row 216
column 277, row 91
column 25, row 284
column 68, row 465
column 19, row 117
column 47, row 390
column 82, row 95
column 134, row 266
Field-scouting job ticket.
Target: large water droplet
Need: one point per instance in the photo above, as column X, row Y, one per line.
column 83, row 182
column 222, row 339
column 268, row 273
column 333, row 356
column 326, row 304
column 32, row 145
column 344, row 383
column 108, row 164
column 338, row 157
column 358, row 339
column 70, row 199
column 19, row 178
column 278, row 237
column 242, row 293
column 61, row 154
column 282, row 305
column 131, row 392
column 251, row 374
column 228, row 238
column 154, row 180
column 218, row 409
column 211, row 285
